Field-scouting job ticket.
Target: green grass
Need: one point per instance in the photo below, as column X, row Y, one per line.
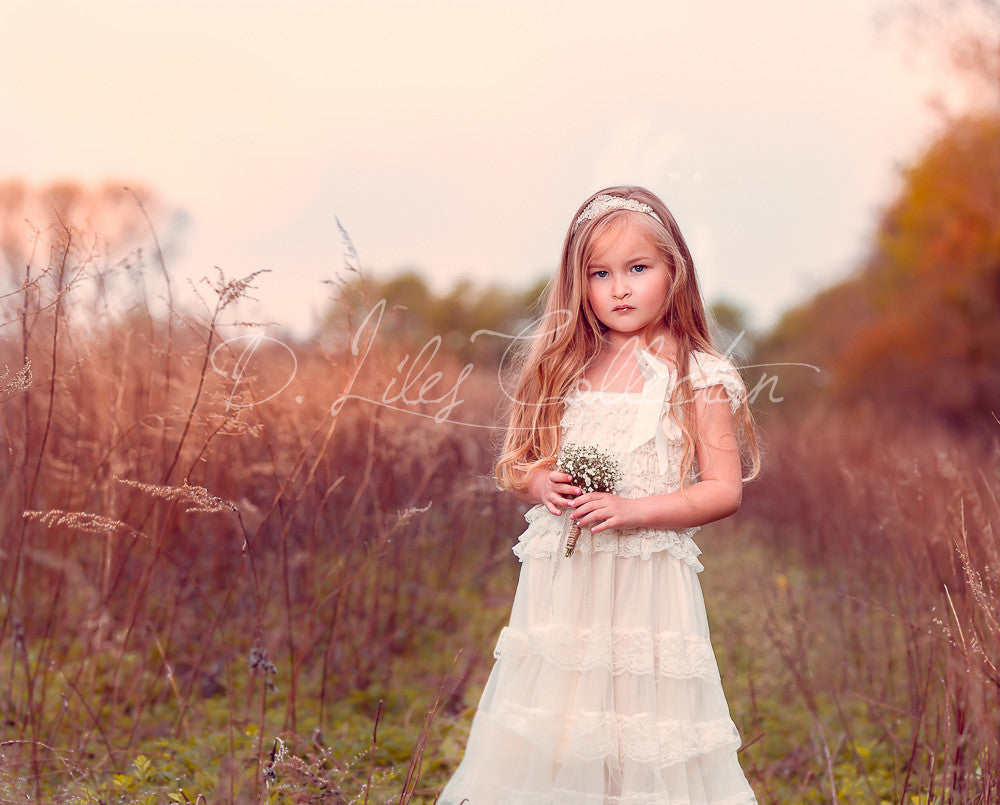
column 810, row 730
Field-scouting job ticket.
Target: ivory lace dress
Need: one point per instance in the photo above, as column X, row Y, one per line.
column 605, row 689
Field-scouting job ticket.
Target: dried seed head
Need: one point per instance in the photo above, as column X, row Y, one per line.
column 198, row 498
column 258, row 660
column 21, row 381
column 81, row 521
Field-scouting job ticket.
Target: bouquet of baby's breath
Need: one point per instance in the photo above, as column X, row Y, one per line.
column 593, row 471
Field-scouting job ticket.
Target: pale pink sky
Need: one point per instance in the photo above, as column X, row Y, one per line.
column 459, row 137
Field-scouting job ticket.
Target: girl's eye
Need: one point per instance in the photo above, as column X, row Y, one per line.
column 639, row 268
column 600, row 273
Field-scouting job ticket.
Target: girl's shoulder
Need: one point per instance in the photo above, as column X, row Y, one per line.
column 706, row 370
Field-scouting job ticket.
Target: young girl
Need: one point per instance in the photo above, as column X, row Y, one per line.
column 606, row 690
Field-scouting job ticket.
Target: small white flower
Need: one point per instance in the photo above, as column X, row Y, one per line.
column 591, row 469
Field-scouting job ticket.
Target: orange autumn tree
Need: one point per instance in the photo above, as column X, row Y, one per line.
column 916, row 330
column 930, row 341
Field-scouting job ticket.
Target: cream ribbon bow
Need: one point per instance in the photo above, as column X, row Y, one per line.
column 652, row 421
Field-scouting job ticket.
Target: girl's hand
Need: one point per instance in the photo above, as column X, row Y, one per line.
column 553, row 489
column 599, row 511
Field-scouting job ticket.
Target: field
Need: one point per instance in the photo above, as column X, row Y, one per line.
column 240, row 569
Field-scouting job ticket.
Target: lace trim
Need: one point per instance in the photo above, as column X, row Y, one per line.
column 640, row 653
column 589, row 735
column 545, row 536
column 708, row 370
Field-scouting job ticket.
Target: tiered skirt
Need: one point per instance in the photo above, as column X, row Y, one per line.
column 605, row 689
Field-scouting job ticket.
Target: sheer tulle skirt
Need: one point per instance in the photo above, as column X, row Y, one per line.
column 605, row 691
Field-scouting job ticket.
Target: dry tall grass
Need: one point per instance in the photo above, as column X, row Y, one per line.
column 174, row 531
column 890, row 640
column 197, row 548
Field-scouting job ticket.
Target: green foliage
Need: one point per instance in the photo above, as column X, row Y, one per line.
column 415, row 313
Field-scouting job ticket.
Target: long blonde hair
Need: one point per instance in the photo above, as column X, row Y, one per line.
column 569, row 336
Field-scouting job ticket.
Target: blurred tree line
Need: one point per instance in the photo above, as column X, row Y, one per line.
column 415, row 313
column 105, row 218
column 915, row 330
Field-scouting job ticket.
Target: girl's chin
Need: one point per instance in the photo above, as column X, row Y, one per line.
column 621, row 334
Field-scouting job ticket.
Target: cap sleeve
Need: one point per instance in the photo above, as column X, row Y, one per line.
column 708, row 370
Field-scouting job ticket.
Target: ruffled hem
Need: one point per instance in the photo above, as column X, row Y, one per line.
column 558, row 796
column 545, row 537
column 591, row 736
column 667, row 655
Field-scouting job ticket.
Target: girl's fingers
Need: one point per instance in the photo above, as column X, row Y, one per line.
column 583, row 500
column 584, row 515
column 564, row 483
column 561, row 501
column 558, row 503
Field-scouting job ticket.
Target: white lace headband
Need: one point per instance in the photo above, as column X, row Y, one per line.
column 602, row 204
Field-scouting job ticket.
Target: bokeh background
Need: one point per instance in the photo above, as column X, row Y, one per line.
column 246, row 558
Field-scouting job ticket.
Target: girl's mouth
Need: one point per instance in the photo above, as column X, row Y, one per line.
column 622, row 308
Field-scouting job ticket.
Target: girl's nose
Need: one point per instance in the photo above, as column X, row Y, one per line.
column 621, row 289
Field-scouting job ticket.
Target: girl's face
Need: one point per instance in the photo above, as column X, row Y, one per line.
column 627, row 282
